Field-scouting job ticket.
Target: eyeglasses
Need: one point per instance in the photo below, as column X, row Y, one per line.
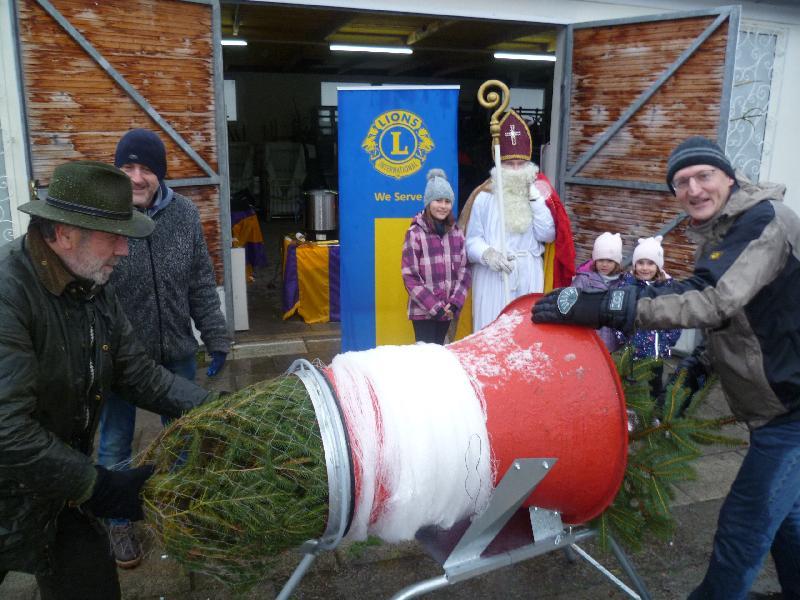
column 702, row 178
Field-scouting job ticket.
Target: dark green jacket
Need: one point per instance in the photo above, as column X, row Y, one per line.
column 63, row 345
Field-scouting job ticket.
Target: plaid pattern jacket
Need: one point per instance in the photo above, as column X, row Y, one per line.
column 435, row 270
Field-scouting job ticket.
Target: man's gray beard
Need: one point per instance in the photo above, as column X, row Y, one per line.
column 84, row 264
column 86, row 268
column 516, row 196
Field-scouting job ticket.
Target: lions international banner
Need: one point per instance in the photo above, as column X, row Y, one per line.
column 389, row 138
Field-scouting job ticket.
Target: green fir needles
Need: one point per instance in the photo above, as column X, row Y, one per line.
column 663, row 445
column 239, row 480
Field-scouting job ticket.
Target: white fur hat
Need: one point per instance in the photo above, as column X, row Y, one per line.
column 608, row 246
column 650, row 248
column 437, row 187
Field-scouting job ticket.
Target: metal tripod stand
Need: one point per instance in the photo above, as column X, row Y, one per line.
column 501, row 536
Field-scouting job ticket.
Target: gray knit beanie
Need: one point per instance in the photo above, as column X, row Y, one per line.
column 697, row 150
column 437, row 187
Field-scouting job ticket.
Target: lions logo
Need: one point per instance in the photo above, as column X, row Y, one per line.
column 397, row 143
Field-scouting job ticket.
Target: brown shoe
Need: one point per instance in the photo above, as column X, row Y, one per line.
column 126, row 548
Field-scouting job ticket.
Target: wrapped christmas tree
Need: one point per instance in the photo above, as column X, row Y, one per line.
column 238, row 480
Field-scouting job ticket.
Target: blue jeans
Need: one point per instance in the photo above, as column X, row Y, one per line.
column 760, row 514
column 118, row 421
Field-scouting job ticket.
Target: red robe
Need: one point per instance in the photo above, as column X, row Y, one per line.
column 562, row 261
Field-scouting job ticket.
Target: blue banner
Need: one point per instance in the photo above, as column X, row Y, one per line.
column 389, row 138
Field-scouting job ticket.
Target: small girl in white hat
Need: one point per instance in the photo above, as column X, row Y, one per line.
column 601, row 273
column 648, row 269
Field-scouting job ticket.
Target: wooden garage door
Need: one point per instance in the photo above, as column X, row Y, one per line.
column 633, row 90
column 93, row 70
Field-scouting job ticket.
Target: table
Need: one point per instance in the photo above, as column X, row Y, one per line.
column 311, row 280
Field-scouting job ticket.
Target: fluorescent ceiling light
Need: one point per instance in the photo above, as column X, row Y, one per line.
column 518, row 56
column 234, row 42
column 383, row 49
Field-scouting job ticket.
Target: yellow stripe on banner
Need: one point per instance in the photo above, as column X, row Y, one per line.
column 464, row 327
column 391, row 298
column 312, row 279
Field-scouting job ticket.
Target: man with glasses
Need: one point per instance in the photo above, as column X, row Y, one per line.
column 745, row 294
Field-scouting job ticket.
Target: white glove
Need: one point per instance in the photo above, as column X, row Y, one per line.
column 496, row 261
column 534, row 194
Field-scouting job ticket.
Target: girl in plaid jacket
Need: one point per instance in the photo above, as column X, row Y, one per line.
column 434, row 265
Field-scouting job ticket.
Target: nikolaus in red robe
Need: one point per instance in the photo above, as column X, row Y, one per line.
column 537, row 238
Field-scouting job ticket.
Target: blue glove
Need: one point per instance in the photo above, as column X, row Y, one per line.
column 217, row 362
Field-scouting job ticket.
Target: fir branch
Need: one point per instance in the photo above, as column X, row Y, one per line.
column 661, row 452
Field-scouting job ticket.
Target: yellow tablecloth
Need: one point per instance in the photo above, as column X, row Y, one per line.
column 311, row 280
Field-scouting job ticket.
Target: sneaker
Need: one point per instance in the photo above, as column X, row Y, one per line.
column 126, row 548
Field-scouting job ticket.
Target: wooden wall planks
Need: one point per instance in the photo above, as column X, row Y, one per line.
column 163, row 49
column 634, row 215
column 611, row 67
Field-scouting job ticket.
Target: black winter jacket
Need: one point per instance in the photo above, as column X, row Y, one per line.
column 63, row 345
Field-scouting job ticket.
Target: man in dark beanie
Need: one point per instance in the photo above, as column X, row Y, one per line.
column 745, row 295
column 166, row 282
column 64, row 343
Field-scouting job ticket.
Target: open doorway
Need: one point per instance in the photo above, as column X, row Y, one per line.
column 281, row 100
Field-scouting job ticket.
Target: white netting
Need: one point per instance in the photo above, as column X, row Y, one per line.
column 419, row 439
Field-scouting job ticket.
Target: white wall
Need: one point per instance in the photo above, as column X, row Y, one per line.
column 784, row 165
column 540, row 11
column 13, row 141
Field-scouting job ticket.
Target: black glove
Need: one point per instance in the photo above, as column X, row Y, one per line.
column 607, row 308
column 696, row 371
column 696, row 374
column 116, row 493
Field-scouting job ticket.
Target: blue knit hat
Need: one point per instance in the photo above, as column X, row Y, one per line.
column 144, row 147
column 697, row 150
column 437, row 187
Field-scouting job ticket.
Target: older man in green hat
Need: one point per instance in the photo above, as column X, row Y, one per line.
column 64, row 344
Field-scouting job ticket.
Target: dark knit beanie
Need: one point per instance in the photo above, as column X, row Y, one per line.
column 144, row 147
column 697, row 150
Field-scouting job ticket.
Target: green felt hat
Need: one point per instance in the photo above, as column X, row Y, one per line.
column 92, row 195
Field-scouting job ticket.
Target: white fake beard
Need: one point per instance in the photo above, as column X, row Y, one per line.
column 516, row 196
